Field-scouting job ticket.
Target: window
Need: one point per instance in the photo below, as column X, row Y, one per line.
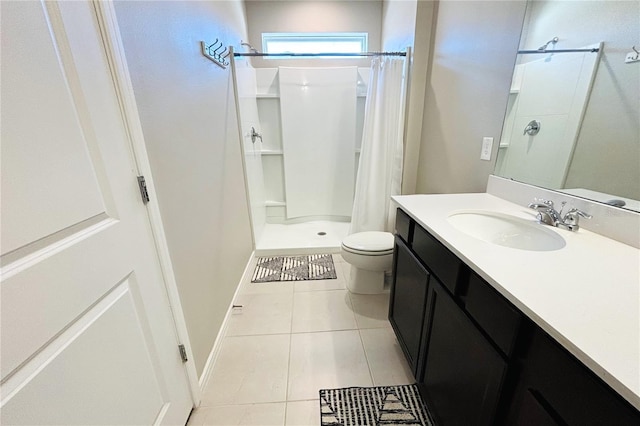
column 314, row 42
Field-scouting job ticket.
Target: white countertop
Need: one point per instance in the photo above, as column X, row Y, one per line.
column 585, row 295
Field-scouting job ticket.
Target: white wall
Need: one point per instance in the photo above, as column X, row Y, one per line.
column 409, row 23
column 398, row 24
column 313, row 16
column 188, row 117
column 607, row 154
column 474, row 51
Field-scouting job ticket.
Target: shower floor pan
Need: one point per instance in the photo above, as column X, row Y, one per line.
column 302, row 238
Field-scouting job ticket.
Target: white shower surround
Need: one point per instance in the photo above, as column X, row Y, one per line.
column 268, row 100
column 273, row 232
column 246, row 85
column 318, row 112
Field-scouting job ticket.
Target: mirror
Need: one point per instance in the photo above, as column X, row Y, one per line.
column 573, row 119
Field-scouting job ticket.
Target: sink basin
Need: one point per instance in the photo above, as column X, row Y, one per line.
column 506, row 230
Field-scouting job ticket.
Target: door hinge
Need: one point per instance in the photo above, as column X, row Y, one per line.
column 183, row 353
column 142, row 184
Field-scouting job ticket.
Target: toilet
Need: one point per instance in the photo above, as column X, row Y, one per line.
column 370, row 255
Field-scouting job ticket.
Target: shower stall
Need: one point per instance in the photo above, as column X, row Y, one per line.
column 301, row 130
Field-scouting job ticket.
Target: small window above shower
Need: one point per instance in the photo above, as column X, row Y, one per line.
column 314, row 43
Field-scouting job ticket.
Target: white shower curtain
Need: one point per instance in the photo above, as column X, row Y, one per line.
column 380, row 168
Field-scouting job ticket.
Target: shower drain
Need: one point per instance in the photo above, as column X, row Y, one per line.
column 322, row 233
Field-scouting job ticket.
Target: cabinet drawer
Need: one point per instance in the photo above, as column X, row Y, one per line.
column 493, row 313
column 404, row 226
column 444, row 264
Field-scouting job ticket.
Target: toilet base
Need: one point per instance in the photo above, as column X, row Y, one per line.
column 363, row 281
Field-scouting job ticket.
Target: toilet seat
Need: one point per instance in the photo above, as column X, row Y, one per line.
column 367, row 253
column 371, row 243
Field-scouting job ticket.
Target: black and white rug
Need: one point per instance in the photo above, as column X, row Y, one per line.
column 294, row 268
column 382, row 405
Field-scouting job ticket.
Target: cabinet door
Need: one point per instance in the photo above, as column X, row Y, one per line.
column 407, row 302
column 462, row 374
column 567, row 389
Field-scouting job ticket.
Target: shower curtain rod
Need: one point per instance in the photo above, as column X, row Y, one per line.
column 305, row 55
column 592, row 50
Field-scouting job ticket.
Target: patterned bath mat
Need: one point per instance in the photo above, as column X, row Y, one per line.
column 294, row 268
column 381, row 405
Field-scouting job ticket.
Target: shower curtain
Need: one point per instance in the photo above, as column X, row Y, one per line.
column 380, row 167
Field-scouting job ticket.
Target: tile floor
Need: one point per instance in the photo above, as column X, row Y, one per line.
column 292, row 339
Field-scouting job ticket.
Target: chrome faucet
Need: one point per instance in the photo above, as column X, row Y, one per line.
column 546, row 213
column 549, row 215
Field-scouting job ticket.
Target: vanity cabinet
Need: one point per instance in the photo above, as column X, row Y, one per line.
column 449, row 348
column 477, row 359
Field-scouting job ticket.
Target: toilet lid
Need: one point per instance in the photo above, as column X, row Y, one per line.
column 369, row 241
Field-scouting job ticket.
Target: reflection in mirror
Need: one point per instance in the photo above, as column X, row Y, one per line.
column 573, row 118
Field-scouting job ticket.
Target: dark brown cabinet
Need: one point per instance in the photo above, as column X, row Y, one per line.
column 493, row 314
column 564, row 389
column 461, row 367
column 444, row 264
column 409, row 295
column 477, row 359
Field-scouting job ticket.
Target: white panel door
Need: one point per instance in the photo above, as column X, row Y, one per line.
column 87, row 331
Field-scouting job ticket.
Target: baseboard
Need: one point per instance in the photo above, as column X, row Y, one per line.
column 215, row 350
